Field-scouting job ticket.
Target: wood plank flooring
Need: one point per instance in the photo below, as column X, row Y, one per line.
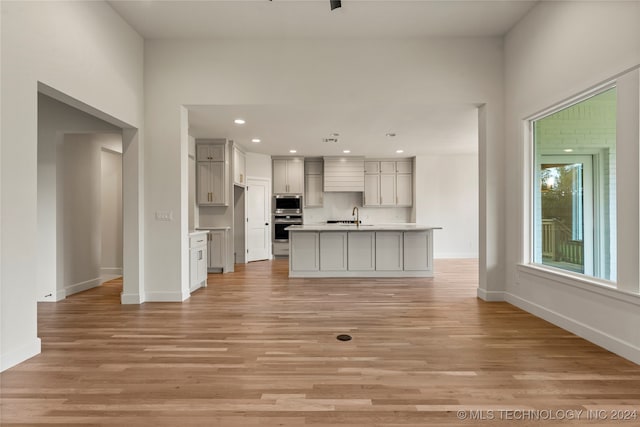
column 257, row 348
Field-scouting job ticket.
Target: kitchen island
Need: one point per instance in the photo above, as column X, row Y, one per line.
column 341, row 250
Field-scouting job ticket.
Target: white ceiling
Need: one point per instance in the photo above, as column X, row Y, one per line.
column 185, row 19
column 420, row 129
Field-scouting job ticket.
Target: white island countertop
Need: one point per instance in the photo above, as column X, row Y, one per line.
column 361, row 227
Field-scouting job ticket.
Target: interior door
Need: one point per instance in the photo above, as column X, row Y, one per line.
column 259, row 219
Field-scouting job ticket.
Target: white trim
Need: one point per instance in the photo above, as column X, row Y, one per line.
column 166, row 296
column 131, row 299
column 490, row 296
column 19, row 354
column 609, row 342
column 82, row 286
column 111, row 270
column 584, row 283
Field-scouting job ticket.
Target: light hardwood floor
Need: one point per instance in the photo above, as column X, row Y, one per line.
column 256, row 348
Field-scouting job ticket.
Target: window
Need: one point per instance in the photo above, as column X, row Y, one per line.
column 574, row 187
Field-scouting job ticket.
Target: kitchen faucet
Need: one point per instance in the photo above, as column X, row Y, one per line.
column 356, row 212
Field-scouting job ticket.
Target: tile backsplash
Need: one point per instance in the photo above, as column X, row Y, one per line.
column 340, row 206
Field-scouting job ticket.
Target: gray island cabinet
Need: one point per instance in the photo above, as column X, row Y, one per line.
column 389, row 250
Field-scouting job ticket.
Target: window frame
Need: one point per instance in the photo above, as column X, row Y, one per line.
column 529, row 171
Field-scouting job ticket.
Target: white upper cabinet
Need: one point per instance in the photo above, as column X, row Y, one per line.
column 288, row 175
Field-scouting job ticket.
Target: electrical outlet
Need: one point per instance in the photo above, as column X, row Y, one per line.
column 164, row 216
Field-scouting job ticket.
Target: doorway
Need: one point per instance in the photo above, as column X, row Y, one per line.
column 239, row 225
column 258, row 224
column 63, row 119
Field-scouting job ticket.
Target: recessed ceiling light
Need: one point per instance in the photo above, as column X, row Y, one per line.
column 568, row 150
column 399, row 151
column 256, row 140
column 346, row 151
column 293, row 151
column 390, row 134
column 239, row 121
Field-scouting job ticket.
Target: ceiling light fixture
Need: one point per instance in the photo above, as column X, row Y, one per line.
column 568, row 150
column 399, row 151
column 256, row 140
column 239, row 121
column 293, row 151
column 346, row 151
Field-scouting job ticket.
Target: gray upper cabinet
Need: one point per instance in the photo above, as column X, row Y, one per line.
column 288, row 175
column 313, row 194
column 210, row 152
column 388, row 183
column 211, row 175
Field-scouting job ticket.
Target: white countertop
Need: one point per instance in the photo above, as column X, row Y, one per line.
column 361, row 227
column 197, row 232
column 213, row 228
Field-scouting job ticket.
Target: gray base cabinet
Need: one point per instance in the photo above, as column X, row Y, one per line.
column 306, row 255
column 389, row 250
column 333, row 251
column 356, row 253
column 362, row 251
column 417, row 251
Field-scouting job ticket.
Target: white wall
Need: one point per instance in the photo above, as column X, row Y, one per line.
column 557, row 51
column 305, row 72
column 111, row 213
column 79, row 196
column 86, row 51
column 447, row 196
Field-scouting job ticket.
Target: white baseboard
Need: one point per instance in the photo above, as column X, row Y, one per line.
column 107, row 277
column 131, row 298
column 490, row 296
column 82, row 286
column 18, row 355
column 104, row 271
column 611, row 343
column 166, row 296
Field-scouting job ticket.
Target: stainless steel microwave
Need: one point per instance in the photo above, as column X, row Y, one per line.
column 287, row 204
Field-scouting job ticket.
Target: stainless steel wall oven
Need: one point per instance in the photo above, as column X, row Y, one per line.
column 280, row 222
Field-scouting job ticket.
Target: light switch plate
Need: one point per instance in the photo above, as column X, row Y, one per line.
column 164, row 216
